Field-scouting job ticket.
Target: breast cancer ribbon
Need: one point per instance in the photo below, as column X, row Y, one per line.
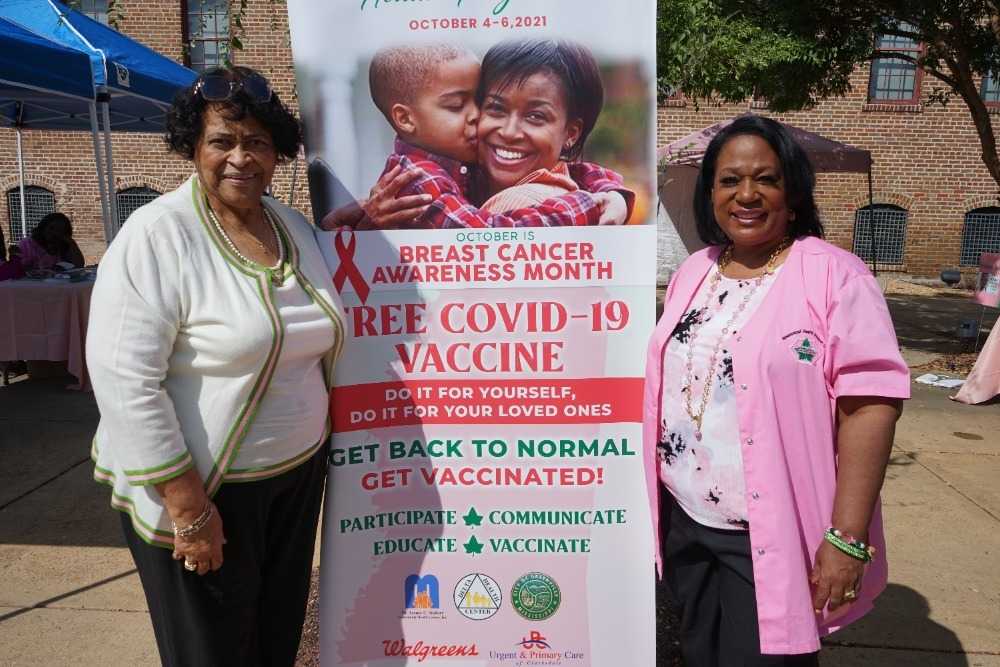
column 348, row 270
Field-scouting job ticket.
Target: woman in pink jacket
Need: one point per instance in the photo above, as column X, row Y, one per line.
column 773, row 385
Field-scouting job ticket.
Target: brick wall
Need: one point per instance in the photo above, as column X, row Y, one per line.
column 926, row 160
column 63, row 162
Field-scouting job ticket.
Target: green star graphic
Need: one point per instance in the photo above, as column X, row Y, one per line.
column 473, row 546
column 805, row 351
column 473, row 518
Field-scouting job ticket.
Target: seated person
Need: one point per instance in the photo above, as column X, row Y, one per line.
column 427, row 95
column 51, row 241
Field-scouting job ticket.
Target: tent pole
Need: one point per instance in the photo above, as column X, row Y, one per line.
column 20, row 174
column 871, row 220
column 295, row 173
column 109, row 156
column 101, row 184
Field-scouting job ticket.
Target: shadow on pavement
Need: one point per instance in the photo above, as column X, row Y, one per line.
column 929, row 323
column 47, row 492
column 901, row 623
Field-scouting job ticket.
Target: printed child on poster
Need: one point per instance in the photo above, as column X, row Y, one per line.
column 487, row 501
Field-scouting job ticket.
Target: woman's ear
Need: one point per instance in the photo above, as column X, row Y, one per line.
column 574, row 129
column 402, row 119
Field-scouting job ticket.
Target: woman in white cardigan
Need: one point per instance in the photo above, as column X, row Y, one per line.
column 214, row 329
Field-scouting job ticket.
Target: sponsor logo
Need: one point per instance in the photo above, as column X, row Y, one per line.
column 535, row 650
column 422, row 592
column 477, row 596
column 421, row 651
column 422, row 597
column 535, row 596
column 535, row 639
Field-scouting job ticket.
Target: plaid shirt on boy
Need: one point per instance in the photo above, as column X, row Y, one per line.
column 447, row 181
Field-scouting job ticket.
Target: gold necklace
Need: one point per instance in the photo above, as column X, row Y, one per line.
column 724, row 260
column 277, row 271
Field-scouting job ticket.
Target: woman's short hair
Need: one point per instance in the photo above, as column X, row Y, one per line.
column 185, row 122
column 797, row 173
column 573, row 65
column 38, row 233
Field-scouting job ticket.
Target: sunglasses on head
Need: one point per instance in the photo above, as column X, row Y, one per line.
column 220, row 88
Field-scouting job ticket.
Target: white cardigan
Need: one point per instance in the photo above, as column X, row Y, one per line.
column 181, row 345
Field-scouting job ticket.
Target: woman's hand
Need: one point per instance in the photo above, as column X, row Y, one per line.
column 204, row 547
column 836, row 578
column 383, row 209
column 185, row 499
column 614, row 208
column 865, row 429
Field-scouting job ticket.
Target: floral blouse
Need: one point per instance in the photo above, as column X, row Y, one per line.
column 705, row 475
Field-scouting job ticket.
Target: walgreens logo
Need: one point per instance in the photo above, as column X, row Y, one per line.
column 422, row 651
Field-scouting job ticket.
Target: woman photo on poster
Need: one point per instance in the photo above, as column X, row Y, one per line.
column 214, row 331
column 773, row 385
column 523, row 115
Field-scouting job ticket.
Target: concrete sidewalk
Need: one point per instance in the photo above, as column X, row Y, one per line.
column 69, row 594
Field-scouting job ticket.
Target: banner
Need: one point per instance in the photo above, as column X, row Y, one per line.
column 988, row 287
column 486, row 502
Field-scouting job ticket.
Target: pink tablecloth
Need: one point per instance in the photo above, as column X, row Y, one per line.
column 45, row 321
column 983, row 382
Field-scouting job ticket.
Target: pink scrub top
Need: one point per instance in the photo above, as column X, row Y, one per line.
column 787, row 392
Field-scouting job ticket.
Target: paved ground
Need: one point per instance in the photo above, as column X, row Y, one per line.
column 69, row 594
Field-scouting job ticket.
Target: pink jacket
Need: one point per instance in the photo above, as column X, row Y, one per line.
column 787, row 413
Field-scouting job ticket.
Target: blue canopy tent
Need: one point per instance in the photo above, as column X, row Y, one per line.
column 40, row 82
column 133, row 85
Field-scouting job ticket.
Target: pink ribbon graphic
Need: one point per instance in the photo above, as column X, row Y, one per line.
column 348, row 270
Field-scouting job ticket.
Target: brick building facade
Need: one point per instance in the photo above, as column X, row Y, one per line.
column 926, row 157
column 62, row 163
column 926, row 167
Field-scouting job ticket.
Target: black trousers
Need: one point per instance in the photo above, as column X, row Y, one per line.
column 249, row 612
column 710, row 573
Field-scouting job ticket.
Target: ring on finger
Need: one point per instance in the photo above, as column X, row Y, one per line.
column 850, row 595
column 190, row 565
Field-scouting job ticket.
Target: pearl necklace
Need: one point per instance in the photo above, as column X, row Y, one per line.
column 724, row 261
column 276, row 271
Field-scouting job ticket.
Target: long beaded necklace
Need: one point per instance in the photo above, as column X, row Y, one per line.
column 276, row 271
column 724, row 261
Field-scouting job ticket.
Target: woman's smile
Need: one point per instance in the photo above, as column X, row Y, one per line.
column 523, row 127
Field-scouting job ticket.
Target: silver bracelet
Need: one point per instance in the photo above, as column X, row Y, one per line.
column 197, row 524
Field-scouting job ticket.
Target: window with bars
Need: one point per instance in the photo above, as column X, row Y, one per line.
column 895, row 80
column 990, row 90
column 880, row 233
column 206, row 33
column 130, row 199
column 980, row 233
column 38, row 203
column 95, row 9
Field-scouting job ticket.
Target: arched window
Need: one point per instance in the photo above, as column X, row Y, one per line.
column 980, row 233
column 880, row 228
column 38, row 203
column 130, row 199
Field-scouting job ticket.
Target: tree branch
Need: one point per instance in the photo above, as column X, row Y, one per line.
column 936, row 73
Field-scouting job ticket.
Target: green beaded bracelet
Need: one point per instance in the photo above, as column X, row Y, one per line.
column 850, row 546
